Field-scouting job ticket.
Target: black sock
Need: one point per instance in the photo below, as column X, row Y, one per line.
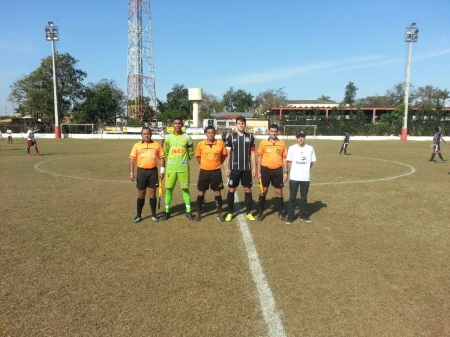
column 440, row 156
column 262, row 203
column 153, row 206
column 200, row 199
column 139, row 206
column 230, row 201
column 219, row 203
column 248, row 202
column 432, row 156
column 280, row 202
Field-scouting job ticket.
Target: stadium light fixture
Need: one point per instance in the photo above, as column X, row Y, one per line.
column 52, row 34
column 411, row 35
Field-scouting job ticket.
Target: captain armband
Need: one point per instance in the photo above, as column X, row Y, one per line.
column 162, row 169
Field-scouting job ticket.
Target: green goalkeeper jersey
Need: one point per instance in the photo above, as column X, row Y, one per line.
column 178, row 150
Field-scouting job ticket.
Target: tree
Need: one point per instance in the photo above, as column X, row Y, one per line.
column 177, row 105
column 431, row 96
column 269, row 98
column 373, row 101
column 324, row 98
column 103, row 100
column 34, row 92
column 350, row 94
column 209, row 105
column 237, row 100
column 394, row 119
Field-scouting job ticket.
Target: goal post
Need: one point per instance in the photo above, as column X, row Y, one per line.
column 291, row 130
column 77, row 128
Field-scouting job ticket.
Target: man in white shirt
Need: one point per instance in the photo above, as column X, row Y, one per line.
column 32, row 142
column 9, row 132
column 300, row 159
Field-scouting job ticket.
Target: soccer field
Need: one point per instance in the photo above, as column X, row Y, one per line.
column 373, row 262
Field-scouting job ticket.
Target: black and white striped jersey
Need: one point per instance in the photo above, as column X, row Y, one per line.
column 241, row 146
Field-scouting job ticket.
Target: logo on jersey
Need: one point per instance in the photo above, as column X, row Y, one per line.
column 216, row 155
column 247, row 139
column 177, row 151
column 278, row 151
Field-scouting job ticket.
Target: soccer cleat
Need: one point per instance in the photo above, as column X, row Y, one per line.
column 165, row 216
column 198, row 217
column 137, row 219
column 431, row 161
column 305, row 218
column 281, row 217
column 260, row 217
column 250, row 217
column 444, row 161
column 220, row 218
column 155, row 219
column 288, row 220
column 189, row 216
column 29, row 154
column 229, row 217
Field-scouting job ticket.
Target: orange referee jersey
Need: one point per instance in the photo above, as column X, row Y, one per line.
column 211, row 154
column 272, row 153
column 147, row 154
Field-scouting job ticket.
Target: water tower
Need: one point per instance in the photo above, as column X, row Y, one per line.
column 195, row 97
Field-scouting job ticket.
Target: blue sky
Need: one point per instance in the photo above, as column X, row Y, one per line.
column 309, row 48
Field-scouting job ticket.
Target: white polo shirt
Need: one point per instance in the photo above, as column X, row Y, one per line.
column 301, row 158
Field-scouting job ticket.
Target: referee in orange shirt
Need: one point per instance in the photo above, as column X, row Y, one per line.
column 146, row 153
column 211, row 154
column 272, row 168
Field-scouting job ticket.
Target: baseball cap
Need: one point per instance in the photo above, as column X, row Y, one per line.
column 300, row 133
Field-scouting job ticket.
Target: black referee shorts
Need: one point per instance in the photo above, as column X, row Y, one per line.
column 272, row 176
column 147, row 178
column 210, row 179
column 244, row 177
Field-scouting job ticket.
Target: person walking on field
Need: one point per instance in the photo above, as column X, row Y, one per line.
column 32, row 142
column 178, row 150
column 272, row 168
column 345, row 142
column 9, row 132
column 300, row 159
column 146, row 154
column 437, row 145
column 211, row 154
column 241, row 168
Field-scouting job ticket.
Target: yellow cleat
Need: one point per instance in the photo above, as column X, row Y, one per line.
column 229, row 217
column 250, row 217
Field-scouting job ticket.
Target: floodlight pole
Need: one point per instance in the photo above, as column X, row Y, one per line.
column 51, row 34
column 411, row 35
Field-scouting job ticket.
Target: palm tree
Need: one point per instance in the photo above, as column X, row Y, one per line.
column 324, row 98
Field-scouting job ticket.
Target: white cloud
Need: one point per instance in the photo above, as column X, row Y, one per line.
column 333, row 66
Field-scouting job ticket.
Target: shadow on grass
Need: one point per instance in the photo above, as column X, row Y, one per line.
column 316, row 206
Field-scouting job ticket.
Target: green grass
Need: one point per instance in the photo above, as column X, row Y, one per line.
column 374, row 261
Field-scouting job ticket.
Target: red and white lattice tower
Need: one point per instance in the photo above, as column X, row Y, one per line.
column 140, row 64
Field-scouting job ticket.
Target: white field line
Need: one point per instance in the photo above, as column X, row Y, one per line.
column 272, row 319
column 37, row 167
column 412, row 170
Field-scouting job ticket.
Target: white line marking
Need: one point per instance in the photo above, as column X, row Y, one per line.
column 37, row 167
column 273, row 322
column 412, row 170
